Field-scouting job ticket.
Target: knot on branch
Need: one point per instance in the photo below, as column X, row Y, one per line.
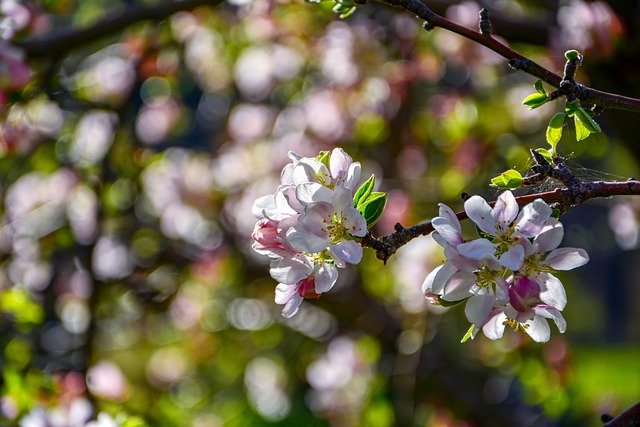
column 428, row 26
column 485, row 24
column 519, row 63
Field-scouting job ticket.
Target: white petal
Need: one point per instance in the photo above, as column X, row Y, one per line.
column 505, row 210
column 552, row 291
column 462, row 263
column 291, row 270
column 326, row 277
column 285, row 292
column 513, row 258
column 262, row 204
column 479, row 211
column 478, row 308
column 348, row 250
column 292, row 307
column 477, row 249
column 427, row 285
column 550, row 237
column 313, row 192
column 339, row 163
column 459, row 286
column 354, row 222
column 447, row 230
column 302, row 239
column 494, row 328
column 447, row 213
column 533, row 217
column 555, row 315
column 567, row 258
column 538, row 329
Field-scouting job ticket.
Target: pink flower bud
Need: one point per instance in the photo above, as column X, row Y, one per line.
column 524, row 294
column 266, row 236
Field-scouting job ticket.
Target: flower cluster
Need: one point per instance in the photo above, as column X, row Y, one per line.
column 311, row 226
column 507, row 276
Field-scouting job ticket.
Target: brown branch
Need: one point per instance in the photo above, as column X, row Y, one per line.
column 629, row 418
column 60, row 41
column 516, row 60
column 563, row 198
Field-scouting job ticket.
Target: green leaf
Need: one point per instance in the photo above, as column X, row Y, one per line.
column 585, row 117
column 510, row 179
column 554, row 130
column 364, row 191
column 468, row 335
column 571, row 107
column 547, row 155
column 373, row 207
column 323, row 157
column 582, row 132
column 539, row 88
column 536, row 100
column 572, row 55
column 448, row 304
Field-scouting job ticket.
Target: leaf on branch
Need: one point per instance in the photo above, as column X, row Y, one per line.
column 554, row 131
column 585, row 125
column 536, row 100
column 539, row 88
column 468, row 335
column 582, row 132
column 372, row 208
column 510, row 179
column 362, row 194
column 545, row 154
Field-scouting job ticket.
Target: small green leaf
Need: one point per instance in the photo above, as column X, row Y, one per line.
column 445, row 303
column 554, row 130
column 364, row 191
column 585, row 117
column 572, row 55
column 373, row 207
column 546, row 154
column 539, row 88
column 510, row 179
column 323, row 157
column 468, row 335
column 572, row 107
column 582, row 132
column 536, row 100
column 555, row 214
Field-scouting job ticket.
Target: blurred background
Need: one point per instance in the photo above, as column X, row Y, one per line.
column 129, row 162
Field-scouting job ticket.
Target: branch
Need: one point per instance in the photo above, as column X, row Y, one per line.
column 516, row 60
column 60, row 41
column 629, row 418
column 575, row 193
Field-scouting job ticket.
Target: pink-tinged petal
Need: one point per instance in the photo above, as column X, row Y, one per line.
column 302, row 239
column 292, row 306
column 478, row 308
column 462, row 263
column 513, row 258
column 354, row 222
column 311, row 192
column 567, row 258
column 447, row 230
column 342, row 199
column 339, row 163
column 502, row 291
column 538, row 329
column 552, row 291
column 442, row 277
column 287, row 202
column 477, row 249
column 553, row 314
column 262, row 205
column 317, row 216
column 439, row 239
column 353, row 176
column 447, row 213
column 532, row 218
column 348, row 250
column 286, row 176
column 479, row 211
column 459, row 286
column 550, row 237
column 494, row 328
column 427, row 285
column 295, row 157
column 285, row 292
column 505, row 210
column 524, row 294
column 291, row 270
column 326, row 277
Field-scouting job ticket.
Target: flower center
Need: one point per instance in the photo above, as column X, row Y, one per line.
column 336, row 229
column 517, row 326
